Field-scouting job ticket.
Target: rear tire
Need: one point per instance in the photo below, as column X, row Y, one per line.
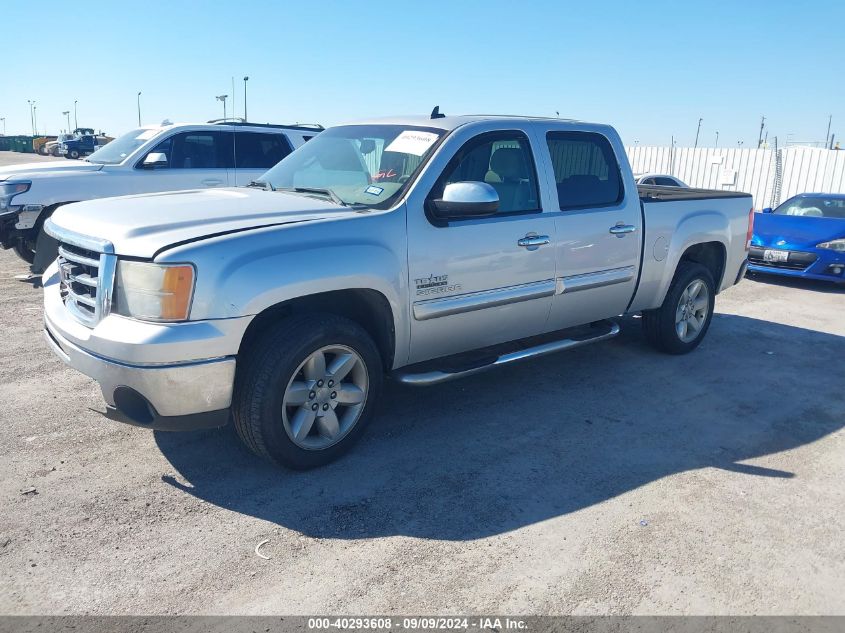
column 297, row 410
column 680, row 324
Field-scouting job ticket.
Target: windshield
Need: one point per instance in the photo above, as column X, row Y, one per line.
column 116, row 151
column 357, row 164
column 813, row 207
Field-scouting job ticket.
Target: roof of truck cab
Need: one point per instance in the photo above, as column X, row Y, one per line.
column 451, row 122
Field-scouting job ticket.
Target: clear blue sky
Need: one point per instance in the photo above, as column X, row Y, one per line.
column 649, row 68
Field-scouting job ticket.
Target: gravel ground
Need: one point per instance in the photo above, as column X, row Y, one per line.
column 610, row 479
column 8, row 159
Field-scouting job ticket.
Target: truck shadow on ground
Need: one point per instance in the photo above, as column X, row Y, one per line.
column 496, row 452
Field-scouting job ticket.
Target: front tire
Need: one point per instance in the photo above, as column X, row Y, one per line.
column 680, row 324
column 73, row 154
column 24, row 251
column 306, row 390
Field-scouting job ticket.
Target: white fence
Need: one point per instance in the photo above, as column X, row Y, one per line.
column 770, row 175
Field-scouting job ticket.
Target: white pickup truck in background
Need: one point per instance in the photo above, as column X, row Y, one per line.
column 147, row 160
column 426, row 248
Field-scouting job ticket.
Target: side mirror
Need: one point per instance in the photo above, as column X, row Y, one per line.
column 155, row 159
column 767, row 210
column 466, row 200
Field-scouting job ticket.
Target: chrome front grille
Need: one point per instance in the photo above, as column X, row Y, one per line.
column 85, row 281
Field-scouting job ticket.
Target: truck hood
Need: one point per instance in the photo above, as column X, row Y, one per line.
column 48, row 168
column 143, row 225
column 795, row 231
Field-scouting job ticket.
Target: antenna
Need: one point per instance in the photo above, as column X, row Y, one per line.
column 435, row 114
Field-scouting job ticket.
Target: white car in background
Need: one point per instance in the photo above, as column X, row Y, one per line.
column 663, row 180
column 149, row 159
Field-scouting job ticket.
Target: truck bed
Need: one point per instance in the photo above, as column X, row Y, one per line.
column 692, row 216
column 659, row 193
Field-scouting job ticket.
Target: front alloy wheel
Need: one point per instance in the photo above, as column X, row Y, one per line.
column 325, row 397
column 306, row 388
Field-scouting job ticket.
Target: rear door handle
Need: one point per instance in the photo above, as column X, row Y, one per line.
column 212, row 182
column 533, row 242
column 621, row 229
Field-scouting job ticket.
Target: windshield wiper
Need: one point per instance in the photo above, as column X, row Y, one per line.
column 316, row 190
column 260, row 183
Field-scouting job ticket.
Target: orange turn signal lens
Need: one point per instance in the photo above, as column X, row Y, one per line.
column 176, row 288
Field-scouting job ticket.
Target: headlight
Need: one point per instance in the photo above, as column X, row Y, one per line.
column 834, row 245
column 153, row 292
column 9, row 190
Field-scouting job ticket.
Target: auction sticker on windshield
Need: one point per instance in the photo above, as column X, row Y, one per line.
column 411, row 142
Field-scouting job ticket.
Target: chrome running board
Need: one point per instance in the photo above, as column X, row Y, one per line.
column 408, row 376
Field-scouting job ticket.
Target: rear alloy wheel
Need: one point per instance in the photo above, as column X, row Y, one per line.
column 679, row 325
column 692, row 311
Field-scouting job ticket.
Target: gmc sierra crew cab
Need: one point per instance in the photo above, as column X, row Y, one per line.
column 424, row 248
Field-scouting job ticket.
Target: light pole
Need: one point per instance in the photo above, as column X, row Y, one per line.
column 31, row 116
column 246, row 79
column 223, row 99
column 67, row 114
column 717, row 138
column 827, row 136
column 760, row 138
column 2, row 118
column 75, row 120
column 697, row 133
column 139, row 108
column 35, row 119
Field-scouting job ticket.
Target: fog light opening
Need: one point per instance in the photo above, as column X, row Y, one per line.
column 133, row 405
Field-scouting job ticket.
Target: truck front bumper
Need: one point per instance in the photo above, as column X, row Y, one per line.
column 155, row 375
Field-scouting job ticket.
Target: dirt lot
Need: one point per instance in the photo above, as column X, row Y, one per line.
column 610, row 479
column 14, row 158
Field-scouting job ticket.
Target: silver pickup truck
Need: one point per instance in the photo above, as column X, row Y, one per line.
column 424, row 248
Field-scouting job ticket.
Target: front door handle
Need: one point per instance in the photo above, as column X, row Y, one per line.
column 621, row 229
column 533, row 242
column 212, row 182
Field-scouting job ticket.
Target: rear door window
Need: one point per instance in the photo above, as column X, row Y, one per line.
column 255, row 150
column 586, row 171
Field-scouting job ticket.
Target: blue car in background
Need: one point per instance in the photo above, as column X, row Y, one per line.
column 804, row 237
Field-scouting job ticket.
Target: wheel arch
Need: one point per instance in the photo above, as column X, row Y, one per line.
column 712, row 255
column 368, row 308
